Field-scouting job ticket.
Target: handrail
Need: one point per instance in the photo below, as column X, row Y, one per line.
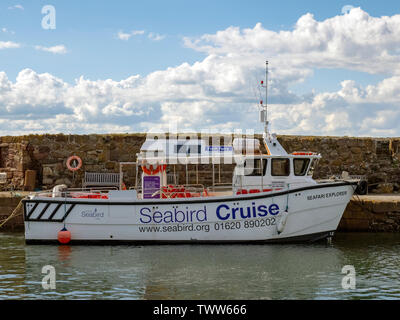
column 180, row 191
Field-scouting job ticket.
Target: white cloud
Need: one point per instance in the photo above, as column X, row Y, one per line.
column 133, row 105
column 9, row 45
column 17, row 6
column 354, row 41
column 218, row 92
column 126, row 36
column 156, row 36
column 59, row 49
column 5, row 30
column 137, row 32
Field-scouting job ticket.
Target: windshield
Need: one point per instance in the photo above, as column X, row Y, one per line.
column 313, row 165
column 300, row 166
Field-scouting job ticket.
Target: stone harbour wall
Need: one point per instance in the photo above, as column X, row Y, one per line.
column 8, row 202
column 372, row 214
column 12, row 164
column 376, row 158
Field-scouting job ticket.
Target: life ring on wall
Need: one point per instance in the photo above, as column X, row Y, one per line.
column 151, row 171
column 69, row 163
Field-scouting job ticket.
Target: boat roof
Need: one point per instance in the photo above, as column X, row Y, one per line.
column 218, row 158
column 179, row 147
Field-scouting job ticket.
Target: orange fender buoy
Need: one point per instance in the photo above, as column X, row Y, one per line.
column 64, row 236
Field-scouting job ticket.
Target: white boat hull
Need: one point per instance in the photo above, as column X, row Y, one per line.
column 312, row 213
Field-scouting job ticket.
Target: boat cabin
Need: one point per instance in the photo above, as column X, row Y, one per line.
column 254, row 171
column 266, row 173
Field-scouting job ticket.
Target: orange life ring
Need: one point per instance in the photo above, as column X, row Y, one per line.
column 151, row 171
column 69, row 161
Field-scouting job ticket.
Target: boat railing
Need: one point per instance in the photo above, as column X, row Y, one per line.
column 167, row 192
column 178, row 191
column 75, row 192
column 221, row 185
column 257, row 188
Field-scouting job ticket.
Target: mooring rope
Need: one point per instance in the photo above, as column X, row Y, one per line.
column 360, row 203
column 13, row 214
column 357, row 201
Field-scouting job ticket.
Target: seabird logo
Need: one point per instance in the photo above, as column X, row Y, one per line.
column 92, row 214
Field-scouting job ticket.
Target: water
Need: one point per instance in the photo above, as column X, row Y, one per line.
column 310, row 271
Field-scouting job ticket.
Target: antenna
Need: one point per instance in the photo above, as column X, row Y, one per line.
column 264, row 107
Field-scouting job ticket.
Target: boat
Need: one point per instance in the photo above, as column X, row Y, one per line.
column 272, row 198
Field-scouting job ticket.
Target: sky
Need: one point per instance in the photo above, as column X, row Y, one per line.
column 136, row 66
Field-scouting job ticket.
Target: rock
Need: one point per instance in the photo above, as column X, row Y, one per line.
column 384, row 207
column 59, row 181
column 47, row 171
column 47, row 181
column 356, row 150
column 384, row 188
column 110, row 165
column 336, row 163
column 40, row 156
column 67, row 182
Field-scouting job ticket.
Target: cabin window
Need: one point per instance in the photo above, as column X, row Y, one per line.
column 313, row 165
column 300, row 166
column 253, row 167
column 188, row 149
column 280, row 167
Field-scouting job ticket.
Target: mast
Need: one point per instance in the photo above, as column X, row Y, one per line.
column 270, row 140
column 266, row 97
column 264, row 107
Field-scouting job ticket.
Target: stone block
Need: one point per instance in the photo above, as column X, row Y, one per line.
column 110, row 165
column 47, row 181
column 384, row 206
column 47, row 171
column 356, row 150
column 384, row 188
column 354, row 225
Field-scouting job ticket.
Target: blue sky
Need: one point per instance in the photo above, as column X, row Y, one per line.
column 88, row 30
